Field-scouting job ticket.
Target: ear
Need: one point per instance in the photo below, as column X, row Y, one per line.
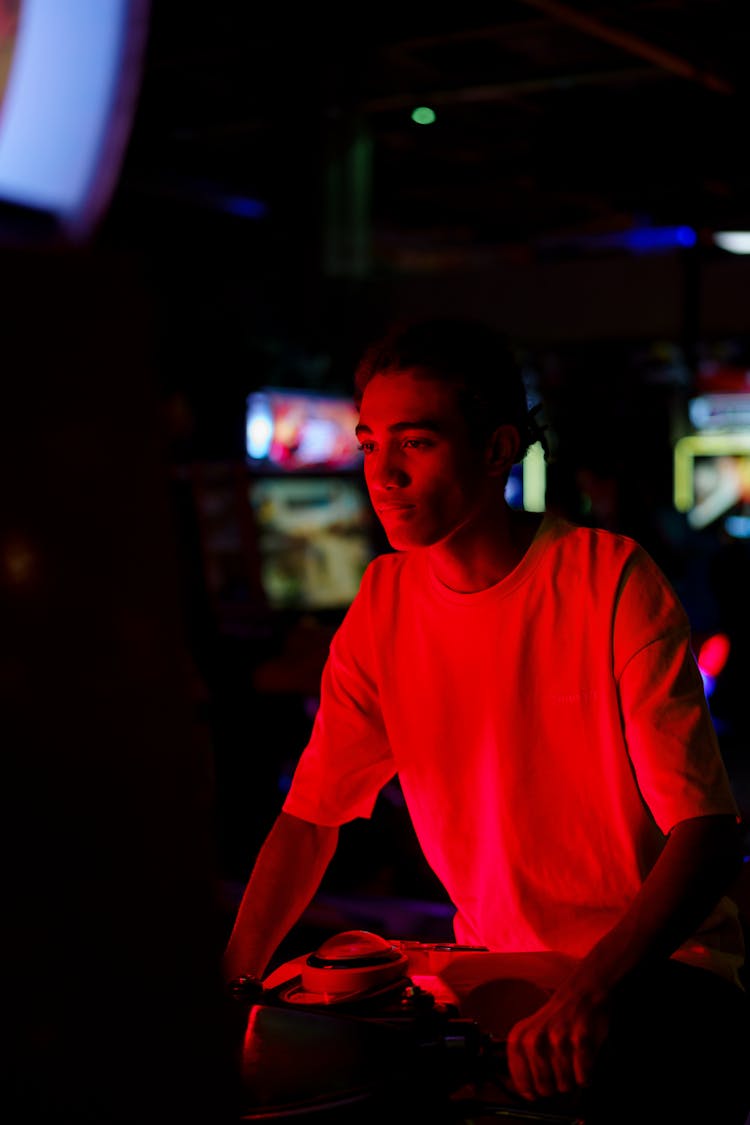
column 502, row 449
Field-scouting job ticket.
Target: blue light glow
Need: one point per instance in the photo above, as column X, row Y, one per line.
column 644, row 239
column 709, row 683
column 259, row 426
column 737, row 526
column 639, row 240
column 244, row 207
column 68, row 103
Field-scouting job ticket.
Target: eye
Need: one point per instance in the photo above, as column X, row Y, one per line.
column 417, row 443
column 366, row 447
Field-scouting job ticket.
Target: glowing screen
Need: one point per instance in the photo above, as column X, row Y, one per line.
column 314, row 539
column 712, row 480
column 298, row 431
column 72, row 71
column 527, row 483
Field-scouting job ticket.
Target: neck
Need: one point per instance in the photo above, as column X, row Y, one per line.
column 475, row 558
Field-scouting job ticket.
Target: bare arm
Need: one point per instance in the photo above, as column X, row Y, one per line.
column 554, row 1049
column 286, row 875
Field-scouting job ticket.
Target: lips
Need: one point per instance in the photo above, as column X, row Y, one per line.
column 393, row 509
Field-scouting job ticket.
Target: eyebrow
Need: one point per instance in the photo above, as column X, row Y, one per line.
column 398, row 427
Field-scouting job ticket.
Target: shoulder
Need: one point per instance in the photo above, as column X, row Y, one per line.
column 390, row 582
column 600, row 546
column 385, row 572
column 610, row 560
column 376, row 602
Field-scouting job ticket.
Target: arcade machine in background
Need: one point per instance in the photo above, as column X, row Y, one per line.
column 284, row 536
column 314, row 534
column 712, row 491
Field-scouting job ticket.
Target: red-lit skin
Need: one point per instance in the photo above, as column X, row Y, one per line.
column 432, row 487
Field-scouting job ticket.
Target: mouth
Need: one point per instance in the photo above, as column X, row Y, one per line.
column 393, row 508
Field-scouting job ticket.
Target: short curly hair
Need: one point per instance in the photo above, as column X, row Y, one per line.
column 470, row 354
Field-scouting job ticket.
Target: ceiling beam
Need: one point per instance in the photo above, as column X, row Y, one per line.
column 634, row 44
column 506, row 91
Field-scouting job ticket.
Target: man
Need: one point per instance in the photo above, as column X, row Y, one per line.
column 532, row 685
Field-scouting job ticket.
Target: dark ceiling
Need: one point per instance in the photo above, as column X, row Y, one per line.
column 558, row 128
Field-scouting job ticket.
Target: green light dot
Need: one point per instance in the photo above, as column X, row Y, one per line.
column 423, row 115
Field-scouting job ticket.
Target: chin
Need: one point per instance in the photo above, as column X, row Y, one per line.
column 411, row 536
column 410, row 542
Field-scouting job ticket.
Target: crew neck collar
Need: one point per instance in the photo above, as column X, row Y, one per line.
column 550, row 527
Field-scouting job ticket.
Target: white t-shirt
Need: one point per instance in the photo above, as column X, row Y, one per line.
column 547, row 734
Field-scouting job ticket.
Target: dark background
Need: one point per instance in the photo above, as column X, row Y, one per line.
column 149, row 725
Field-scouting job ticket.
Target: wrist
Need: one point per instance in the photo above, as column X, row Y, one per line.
column 247, row 986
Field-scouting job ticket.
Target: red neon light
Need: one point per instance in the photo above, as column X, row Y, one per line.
column 713, row 654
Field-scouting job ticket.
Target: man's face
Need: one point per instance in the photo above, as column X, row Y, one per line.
column 425, row 477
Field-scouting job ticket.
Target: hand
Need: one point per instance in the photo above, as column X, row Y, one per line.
column 553, row 1050
column 248, row 989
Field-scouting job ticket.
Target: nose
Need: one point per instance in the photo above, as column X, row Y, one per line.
column 385, row 470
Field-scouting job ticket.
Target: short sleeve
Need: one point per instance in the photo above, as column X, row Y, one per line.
column 347, row 759
column 669, row 731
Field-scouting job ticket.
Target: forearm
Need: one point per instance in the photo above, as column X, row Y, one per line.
column 700, row 860
column 286, row 875
column 554, row 1048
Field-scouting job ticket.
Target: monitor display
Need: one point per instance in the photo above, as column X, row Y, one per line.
column 294, row 431
column 527, row 482
column 712, row 480
column 720, row 412
column 69, row 79
column 314, row 538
